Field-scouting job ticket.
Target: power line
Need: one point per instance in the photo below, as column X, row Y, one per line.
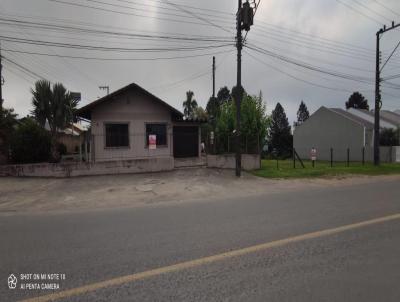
column 23, row 68
column 294, row 77
column 96, row 27
column 116, row 59
column 371, row 10
column 392, row 77
column 103, row 48
column 197, row 16
column 129, row 14
column 359, row 12
column 49, row 26
column 208, row 14
column 387, row 60
column 309, row 66
column 387, row 8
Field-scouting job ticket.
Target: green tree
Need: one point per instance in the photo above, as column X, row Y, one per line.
column 7, row 124
column 254, row 124
column 389, row 137
column 30, row 143
column 55, row 105
column 302, row 113
column 200, row 114
column 357, row 101
column 213, row 109
column 189, row 105
column 280, row 137
column 223, row 95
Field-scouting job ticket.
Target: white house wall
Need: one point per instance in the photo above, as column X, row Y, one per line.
column 326, row 129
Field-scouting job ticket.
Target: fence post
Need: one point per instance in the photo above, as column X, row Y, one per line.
column 348, row 157
column 331, row 157
column 363, row 155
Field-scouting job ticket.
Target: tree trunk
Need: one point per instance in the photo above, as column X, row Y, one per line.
column 55, row 155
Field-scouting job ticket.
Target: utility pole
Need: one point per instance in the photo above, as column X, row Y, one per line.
column 378, row 101
column 239, row 46
column 1, row 81
column 213, row 70
column 105, row 88
column 244, row 19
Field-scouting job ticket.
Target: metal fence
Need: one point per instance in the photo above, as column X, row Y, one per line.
column 346, row 156
column 224, row 144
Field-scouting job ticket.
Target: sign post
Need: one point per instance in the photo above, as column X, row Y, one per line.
column 313, row 156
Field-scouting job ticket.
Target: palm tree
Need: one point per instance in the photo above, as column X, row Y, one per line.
column 55, row 105
column 189, row 105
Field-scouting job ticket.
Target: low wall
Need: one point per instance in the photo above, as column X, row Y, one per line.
column 156, row 164
column 227, row 161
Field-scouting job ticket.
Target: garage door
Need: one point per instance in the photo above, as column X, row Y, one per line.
column 186, row 141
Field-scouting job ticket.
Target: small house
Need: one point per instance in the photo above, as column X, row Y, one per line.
column 133, row 124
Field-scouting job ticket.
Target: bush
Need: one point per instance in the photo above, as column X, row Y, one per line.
column 389, row 137
column 61, row 149
column 30, row 143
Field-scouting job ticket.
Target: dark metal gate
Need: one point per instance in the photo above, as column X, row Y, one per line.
column 186, row 141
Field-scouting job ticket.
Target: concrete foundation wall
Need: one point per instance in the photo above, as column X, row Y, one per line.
column 227, row 161
column 156, row 164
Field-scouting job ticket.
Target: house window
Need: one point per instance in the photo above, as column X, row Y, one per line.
column 160, row 130
column 117, row 135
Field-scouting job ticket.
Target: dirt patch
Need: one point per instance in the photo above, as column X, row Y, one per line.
column 19, row 195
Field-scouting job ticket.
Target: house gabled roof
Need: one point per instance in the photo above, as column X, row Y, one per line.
column 355, row 118
column 391, row 116
column 85, row 111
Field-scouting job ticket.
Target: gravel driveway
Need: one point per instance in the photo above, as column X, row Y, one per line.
column 99, row 192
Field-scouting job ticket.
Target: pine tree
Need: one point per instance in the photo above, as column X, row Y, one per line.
column 223, row 95
column 358, row 101
column 280, row 137
column 302, row 113
column 189, row 105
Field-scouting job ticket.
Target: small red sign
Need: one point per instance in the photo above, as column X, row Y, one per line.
column 152, row 142
column 313, row 154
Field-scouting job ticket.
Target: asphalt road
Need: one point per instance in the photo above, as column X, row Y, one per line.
column 358, row 264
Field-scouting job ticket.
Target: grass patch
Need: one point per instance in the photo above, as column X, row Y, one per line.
column 285, row 169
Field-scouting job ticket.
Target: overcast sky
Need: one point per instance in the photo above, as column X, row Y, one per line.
column 337, row 36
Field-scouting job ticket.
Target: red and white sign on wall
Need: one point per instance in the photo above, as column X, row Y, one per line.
column 313, row 154
column 152, row 141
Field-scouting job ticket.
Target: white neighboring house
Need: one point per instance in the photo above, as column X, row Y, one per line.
column 370, row 117
column 344, row 132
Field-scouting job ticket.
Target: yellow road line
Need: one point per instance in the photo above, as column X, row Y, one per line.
column 206, row 260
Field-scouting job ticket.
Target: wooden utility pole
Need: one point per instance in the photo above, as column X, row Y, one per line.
column 213, row 70
column 239, row 46
column 378, row 101
column 1, row 81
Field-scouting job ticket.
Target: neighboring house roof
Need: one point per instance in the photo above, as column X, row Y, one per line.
column 391, row 116
column 85, row 111
column 77, row 129
column 370, row 116
column 367, row 124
